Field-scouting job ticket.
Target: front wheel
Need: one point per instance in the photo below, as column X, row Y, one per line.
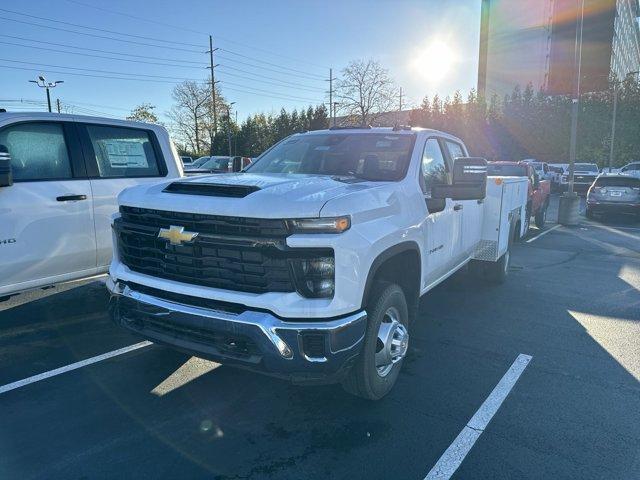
column 385, row 344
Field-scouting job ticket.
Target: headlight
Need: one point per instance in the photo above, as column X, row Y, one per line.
column 320, row 225
column 315, row 277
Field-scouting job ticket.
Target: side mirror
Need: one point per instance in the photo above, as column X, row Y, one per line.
column 469, row 180
column 6, row 177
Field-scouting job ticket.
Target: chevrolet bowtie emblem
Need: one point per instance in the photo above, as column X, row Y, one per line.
column 176, row 235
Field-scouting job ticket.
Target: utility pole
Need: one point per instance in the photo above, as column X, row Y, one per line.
column 213, row 93
column 58, row 105
column 569, row 202
column 335, row 106
column 331, row 109
column 235, row 138
column 229, row 125
column 42, row 83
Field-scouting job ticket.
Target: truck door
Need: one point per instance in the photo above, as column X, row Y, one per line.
column 471, row 211
column 441, row 229
column 116, row 158
column 46, row 218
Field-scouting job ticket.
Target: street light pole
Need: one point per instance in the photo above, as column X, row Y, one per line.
column 570, row 202
column 42, row 83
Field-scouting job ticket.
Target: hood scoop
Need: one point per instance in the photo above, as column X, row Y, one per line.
column 211, row 189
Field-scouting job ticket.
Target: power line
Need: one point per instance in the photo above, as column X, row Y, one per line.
column 183, row 28
column 150, row 80
column 98, row 56
column 39, row 47
column 127, row 74
column 261, row 79
column 100, row 29
column 99, row 36
column 100, row 50
column 271, row 64
column 270, row 69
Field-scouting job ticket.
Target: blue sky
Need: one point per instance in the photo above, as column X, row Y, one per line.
column 273, row 53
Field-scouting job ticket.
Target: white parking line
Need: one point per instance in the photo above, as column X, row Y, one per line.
column 453, row 456
column 72, row 366
column 543, row 233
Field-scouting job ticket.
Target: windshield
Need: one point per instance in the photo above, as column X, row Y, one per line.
column 216, row 163
column 199, row 162
column 556, row 169
column 496, row 169
column 381, row 157
column 586, row 167
column 537, row 166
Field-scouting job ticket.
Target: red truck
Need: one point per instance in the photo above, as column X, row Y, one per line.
column 539, row 190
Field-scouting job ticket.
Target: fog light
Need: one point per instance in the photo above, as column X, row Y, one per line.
column 315, row 276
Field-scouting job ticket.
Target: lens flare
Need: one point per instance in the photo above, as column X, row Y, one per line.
column 435, row 62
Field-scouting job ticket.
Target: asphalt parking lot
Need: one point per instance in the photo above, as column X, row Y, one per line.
column 572, row 303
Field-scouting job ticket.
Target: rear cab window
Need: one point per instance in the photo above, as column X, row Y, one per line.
column 122, row 152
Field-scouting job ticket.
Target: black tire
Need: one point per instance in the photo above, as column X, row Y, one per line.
column 541, row 217
column 497, row 272
column 364, row 379
column 527, row 221
column 589, row 213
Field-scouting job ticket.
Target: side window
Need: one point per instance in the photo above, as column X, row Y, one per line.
column 455, row 149
column 434, row 170
column 38, row 151
column 123, row 152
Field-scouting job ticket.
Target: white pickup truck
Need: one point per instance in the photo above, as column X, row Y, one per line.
column 310, row 265
column 59, row 180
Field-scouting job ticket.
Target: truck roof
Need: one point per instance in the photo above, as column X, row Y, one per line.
column 51, row 116
column 384, row 130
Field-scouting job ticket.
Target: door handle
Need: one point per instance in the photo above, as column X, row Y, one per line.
column 457, row 207
column 67, row 198
column 480, row 201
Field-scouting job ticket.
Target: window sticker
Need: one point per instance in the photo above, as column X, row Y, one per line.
column 124, row 153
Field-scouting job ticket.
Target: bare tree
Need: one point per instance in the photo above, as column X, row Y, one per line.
column 190, row 113
column 365, row 91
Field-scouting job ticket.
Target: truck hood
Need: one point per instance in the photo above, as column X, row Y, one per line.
column 274, row 195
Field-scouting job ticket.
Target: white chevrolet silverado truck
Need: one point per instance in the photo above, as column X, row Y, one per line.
column 60, row 176
column 310, row 264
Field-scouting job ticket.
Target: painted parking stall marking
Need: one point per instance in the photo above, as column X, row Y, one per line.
column 452, row 458
column 543, row 233
column 73, row 366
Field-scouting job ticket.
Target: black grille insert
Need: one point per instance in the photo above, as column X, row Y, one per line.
column 231, row 253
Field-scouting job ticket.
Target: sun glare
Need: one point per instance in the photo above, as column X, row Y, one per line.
column 435, row 62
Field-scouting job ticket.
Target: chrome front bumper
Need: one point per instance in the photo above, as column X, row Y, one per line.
column 276, row 346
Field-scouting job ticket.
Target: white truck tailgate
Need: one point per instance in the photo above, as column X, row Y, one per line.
column 504, row 205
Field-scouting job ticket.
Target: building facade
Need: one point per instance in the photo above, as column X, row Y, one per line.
column 534, row 41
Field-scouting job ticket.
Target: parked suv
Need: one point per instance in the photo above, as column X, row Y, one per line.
column 614, row 194
column 59, row 179
column 309, row 265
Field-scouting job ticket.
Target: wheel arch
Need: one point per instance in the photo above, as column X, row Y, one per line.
column 401, row 264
